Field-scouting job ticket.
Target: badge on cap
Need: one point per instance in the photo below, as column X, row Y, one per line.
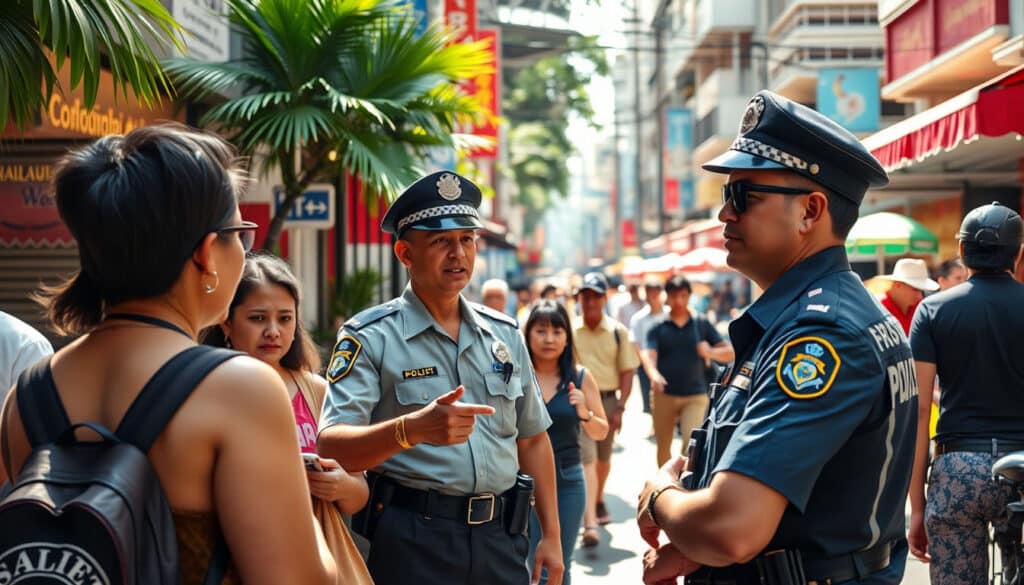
column 504, row 358
column 752, row 116
column 448, row 187
column 807, row 367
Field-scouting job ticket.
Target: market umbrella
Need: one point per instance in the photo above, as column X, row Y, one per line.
column 702, row 260
column 889, row 234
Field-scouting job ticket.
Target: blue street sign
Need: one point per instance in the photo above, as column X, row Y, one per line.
column 313, row 209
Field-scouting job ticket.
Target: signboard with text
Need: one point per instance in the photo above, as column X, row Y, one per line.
column 313, row 209
column 206, row 29
column 486, row 90
column 678, row 159
column 28, row 211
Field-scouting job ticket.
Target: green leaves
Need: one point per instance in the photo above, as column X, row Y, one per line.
column 129, row 32
column 344, row 76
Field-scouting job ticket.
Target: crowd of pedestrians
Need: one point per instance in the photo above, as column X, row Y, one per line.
column 471, row 442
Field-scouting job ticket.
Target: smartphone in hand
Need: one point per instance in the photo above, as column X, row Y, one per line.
column 312, row 461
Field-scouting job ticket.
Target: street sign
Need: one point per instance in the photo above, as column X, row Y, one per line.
column 313, row 209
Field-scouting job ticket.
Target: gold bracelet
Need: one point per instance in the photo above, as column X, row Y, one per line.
column 400, row 437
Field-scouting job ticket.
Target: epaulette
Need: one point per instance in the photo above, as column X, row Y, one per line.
column 820, row 304
column 365, row 317
column 496, row 315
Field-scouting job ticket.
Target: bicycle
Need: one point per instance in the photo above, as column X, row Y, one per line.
column 1009, row 470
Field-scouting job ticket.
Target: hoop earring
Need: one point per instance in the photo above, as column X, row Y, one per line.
column 227, row 342
column 209, row 288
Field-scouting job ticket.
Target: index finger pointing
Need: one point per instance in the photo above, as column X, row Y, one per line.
column 467, row 408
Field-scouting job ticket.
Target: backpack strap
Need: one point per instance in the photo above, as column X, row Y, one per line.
column 166, row 391
column 39, row 404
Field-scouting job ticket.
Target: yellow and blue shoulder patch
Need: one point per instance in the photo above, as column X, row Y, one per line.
column 807, row 367
column 343, row 357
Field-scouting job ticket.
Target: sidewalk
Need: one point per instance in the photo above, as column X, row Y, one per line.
column 618, row 559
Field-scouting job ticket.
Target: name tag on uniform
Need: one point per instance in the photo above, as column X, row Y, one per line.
column 419, row 373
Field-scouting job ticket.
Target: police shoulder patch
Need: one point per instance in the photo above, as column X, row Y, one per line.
column 807, row 367
column 343, row 357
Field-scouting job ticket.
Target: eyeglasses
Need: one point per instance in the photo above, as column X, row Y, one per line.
column 246, row 233
column 739, row 191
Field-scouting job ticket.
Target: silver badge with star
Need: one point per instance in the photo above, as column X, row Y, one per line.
column 449, row 187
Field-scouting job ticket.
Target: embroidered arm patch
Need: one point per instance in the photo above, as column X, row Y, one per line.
column 343, row 357
column 807, row 367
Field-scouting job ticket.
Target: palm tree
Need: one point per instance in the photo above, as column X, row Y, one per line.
column 326, row 86
column 38, row 36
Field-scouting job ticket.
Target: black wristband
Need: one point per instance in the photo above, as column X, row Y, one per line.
column 654, row 498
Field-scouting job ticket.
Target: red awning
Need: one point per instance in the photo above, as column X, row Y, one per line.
column 992, row 109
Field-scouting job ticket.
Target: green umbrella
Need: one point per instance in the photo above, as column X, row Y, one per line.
column 889, row 234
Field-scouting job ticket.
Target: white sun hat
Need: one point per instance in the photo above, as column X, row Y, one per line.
column 912, row 272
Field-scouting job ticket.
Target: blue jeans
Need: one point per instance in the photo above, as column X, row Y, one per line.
column 572, row 497
column 645, row 389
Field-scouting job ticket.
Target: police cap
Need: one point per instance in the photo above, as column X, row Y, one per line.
column 991, row 225
column 776, row 133
column 444, row 200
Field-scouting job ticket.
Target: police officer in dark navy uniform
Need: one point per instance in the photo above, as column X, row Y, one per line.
column 800, row 472
column 436, row 397
column 970, row 336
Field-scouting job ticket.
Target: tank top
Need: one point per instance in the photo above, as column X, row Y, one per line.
column 564, row 431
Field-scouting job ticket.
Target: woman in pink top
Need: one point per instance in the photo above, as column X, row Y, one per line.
column 263, row 321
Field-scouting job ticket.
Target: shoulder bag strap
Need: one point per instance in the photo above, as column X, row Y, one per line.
column 166, row 391
column 39, row 405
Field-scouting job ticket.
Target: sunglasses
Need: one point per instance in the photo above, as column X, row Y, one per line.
column 738, row 192
column 246, row 233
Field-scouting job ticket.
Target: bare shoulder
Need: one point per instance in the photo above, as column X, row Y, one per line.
column 246, row 383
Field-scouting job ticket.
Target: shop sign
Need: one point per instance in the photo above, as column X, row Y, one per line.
column 959, row 20
column 28, row 210
column 910, row 41
column 486, row 90
column 206, row 28
column 850, row 97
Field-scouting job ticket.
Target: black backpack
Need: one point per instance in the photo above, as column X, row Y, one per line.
column 94, row 512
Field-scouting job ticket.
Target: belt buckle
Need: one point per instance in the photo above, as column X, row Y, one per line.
column 488, row 497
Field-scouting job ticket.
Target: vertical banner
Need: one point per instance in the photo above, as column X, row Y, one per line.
column 487, row 92
column 460, row 15
column 678, row 157
column 849, row 96
column 421, row 14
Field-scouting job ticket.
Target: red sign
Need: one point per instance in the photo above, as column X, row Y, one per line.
column 486, row 90
column 909, row 40
column 671, row 195
column 460, row 15
column 28, row 211
column 959, row 20
column 628, row 234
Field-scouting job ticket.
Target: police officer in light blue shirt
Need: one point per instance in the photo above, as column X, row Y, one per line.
column 436, row 397
column 801, row 470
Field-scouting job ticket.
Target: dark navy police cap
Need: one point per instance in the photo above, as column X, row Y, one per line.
column 991, row 225
column 594, row 281
column 444, row 200
column 777, row 133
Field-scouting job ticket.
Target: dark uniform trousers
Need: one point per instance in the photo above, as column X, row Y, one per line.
column 408, row 547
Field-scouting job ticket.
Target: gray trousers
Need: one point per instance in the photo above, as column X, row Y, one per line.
column 408, row 548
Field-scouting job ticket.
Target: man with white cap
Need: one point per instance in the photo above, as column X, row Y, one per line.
column 909, row 283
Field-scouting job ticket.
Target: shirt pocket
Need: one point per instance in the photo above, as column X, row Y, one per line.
column 726, row 415
column 413, row 395
column 503, row 396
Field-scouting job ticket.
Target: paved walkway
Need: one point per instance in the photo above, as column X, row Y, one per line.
column 617, row 560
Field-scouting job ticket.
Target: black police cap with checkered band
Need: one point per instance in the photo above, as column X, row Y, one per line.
column 776, row 133
column 439, row 201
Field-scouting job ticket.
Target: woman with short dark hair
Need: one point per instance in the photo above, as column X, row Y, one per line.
column 162, row 244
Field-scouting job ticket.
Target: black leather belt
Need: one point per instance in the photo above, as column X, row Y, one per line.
column 990, row 446
column 472, row 510
column 817, row 571
column 612, row 391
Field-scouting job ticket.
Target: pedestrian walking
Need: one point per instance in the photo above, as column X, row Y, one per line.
column 435, row 397
column 969, row 336
column 679, row 349
column 651, row 314
column 574, row 404
column 604, row 348
column 800, row 471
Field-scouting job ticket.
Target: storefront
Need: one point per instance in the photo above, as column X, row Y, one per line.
column 35, row 246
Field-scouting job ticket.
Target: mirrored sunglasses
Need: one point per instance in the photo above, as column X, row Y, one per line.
column 738, row 193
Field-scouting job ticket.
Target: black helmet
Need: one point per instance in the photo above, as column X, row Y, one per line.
column 992, row 225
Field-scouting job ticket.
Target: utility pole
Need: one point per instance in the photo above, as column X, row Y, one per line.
column 641, row 236
column 617, row 186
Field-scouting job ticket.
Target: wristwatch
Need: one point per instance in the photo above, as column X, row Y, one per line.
column 654, row 498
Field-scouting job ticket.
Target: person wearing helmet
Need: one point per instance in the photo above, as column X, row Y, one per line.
column 800, row 471
column 969, row 336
